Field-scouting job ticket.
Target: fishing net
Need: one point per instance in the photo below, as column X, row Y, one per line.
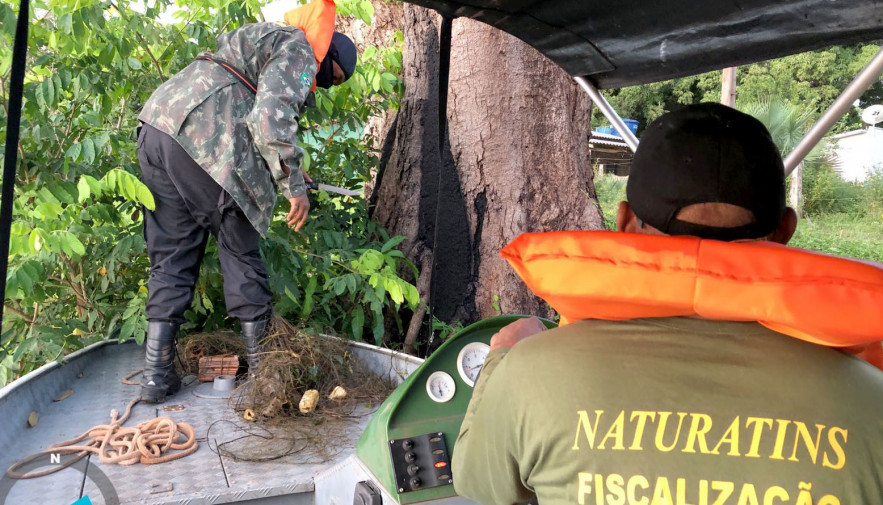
column 292, row 362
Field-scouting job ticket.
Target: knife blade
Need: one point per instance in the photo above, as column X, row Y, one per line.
column 332, row 189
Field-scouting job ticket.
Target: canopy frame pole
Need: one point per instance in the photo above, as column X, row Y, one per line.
column 13, row 124
column 859, row 85
column 609, row 112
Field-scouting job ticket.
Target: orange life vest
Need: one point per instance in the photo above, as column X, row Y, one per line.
column 822, row 299
column 316, row 20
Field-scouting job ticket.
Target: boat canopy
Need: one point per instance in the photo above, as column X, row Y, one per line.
column 628, row 42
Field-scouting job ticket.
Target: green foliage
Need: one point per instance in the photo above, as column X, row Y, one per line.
column 813, row 80
column 825, row 192
column 611, row 191
column 445, row 330
column 786, row 122
column 78, row 267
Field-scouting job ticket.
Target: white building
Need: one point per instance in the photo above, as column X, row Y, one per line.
column 858, row 153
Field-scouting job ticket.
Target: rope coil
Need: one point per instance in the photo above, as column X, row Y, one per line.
column 158, row 440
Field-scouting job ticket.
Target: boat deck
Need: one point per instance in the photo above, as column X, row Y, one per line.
column 203, row 477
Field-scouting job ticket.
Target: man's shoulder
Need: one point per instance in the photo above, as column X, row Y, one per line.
column 259, row 31
column 679, row 344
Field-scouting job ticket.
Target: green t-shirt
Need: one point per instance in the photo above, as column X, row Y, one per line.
column 672, row 411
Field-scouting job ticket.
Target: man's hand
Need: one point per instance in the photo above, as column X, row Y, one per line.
column 516, row 331
column 300, row 208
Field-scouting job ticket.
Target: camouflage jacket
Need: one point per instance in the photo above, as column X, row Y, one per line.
column 240, row 138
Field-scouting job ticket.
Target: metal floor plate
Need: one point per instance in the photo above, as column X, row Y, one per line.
column 203, row 477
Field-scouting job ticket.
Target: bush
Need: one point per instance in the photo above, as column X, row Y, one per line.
column 825, row 192
column 78, row 268
column 610, row 190
column 873, row 193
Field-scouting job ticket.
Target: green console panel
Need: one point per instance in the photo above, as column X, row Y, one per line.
column 411, row 412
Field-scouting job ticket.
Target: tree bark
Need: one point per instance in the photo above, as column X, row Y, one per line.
column 515, row 159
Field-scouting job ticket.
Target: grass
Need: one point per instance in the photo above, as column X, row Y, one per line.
column 841, row 234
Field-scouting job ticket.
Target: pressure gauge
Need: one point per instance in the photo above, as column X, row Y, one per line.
column 470, row 360
column 440, row 387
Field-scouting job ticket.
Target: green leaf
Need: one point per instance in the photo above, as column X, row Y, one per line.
column 411, row 294
column 128, row 184
column 101, row 140
column 358, row 322
column 24, row 348
column 144, row 196
column 48, row 210
column 88, row 151
column 291, row 296
column 49, row 84
column 62, row 241
column 88, row 186
column 106, row 56
column 84, row 190
column 19, row 228
column 76, row 246
column 392, row 243
column 307, row 306
column 128, row 328
column 79, row 28
column 35, row 240
column 40, row 94
column 378, row 329
column 73, row 152
column 65, row 22
column 339, row 286
column 370, row 261
column 133, row 63
column 62, row 191
column 394, row 290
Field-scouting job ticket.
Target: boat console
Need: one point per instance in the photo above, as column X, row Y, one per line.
column 405, row 451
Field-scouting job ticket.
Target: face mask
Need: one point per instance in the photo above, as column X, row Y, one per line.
column 325, row 76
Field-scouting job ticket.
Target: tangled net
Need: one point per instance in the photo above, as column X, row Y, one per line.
column 292, row 363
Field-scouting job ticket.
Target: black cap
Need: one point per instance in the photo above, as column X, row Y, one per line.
column 343, row 51
column 702, row 154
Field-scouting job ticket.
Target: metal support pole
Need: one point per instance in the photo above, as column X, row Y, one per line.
column 609, row 113
column 13, row 123
column 728, row 86
column 859, row 85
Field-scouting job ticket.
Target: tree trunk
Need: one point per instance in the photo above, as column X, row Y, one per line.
column 795, row 196
column 515, row 159
column 380, row 33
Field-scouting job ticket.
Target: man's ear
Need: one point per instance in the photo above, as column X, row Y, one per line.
column 626, row 220
column 786, row 227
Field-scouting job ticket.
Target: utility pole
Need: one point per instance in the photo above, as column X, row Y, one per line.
column 728, row 87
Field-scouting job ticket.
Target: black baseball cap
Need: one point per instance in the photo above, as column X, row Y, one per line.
column 707, row 153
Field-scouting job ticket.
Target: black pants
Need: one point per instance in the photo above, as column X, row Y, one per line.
column 189, row 206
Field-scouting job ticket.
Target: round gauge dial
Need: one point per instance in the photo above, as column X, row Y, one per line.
column 470, row 360
column 440, row 387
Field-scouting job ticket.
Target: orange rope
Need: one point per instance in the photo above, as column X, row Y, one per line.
column 155, row 441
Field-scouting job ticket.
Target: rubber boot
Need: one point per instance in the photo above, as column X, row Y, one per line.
column 159, row 377
column 253, row 332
